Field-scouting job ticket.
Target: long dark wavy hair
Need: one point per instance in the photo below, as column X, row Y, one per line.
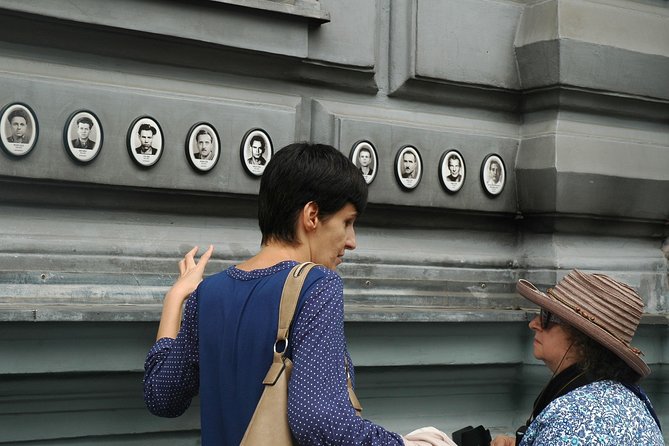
column 599, row 362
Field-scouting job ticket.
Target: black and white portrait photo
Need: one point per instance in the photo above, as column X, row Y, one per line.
column 408, row 167
column 493, row 174
column 82, row 136
column 202, row 147
column 255, row 151
column 19, row 129
column 452, row 170
column 363, row 155
column 145, row 141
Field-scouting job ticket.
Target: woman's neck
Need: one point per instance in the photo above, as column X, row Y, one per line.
column 566, row 362
column 273, row 253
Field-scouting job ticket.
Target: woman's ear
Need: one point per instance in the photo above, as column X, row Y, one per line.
column 310, row 216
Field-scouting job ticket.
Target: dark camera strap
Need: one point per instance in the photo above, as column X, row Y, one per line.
column 564, row 382
column 638, row 391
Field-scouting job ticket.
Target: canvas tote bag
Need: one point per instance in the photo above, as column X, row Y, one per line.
column 269, row 423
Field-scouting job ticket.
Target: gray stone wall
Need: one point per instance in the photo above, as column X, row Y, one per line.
column 572, row 95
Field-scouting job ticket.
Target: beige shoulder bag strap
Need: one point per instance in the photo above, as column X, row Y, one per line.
column 351, row 393
column 269, row 424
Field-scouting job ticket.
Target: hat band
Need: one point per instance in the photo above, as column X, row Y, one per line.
column 590, row 318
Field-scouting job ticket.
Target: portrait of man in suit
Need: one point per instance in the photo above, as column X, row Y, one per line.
column 363, row 155
column 205, row 145
column 83, row 141
column 493, row 174
column 256, row 151
column 146, row 133
column 83, row 136
column 145, row 141
column 365, row 161
column 408, row 167
column 454, row 167
column 19, row 125
column 18, row 129
column 257, row 145
column 452, row 170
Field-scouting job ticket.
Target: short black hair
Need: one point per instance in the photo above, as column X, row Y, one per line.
column 17, row 113
column 260, row 139
column 204, row 132
column 300, row 173
column 147, row 127
column 85, row 120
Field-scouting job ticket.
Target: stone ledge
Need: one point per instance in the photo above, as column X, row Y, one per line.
column 79, row 313
column 151, row 312
column 353, row 313
column 308, row 9
column 407, row 313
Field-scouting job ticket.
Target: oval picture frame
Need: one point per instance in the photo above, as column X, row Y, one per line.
column 83, row 136
column 363, row 154
column 408, row 176
column 450, row 177
column 19, row 129
column 254, row 162
column 196, row 143
column 493, row 174
column 145, row 155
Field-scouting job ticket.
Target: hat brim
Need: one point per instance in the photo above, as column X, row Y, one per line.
column 620, row 349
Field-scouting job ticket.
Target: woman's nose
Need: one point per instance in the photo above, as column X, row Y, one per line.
column 350, row 240
column 535, row 324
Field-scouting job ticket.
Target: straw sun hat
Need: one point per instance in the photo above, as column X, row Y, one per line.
column 602, row 308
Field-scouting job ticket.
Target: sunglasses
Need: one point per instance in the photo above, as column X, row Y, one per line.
column 548, row 318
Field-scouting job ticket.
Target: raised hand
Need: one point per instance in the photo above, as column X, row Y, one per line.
column 190, row 273
column 190, row 276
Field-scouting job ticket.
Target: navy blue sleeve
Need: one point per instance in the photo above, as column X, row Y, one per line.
column 171, row 369
column 319, row 410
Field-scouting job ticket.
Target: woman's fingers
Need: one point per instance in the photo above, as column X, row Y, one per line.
column 204, row 258
column 189, row 258
column 188, row 263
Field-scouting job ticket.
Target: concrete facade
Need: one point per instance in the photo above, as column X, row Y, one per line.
column 572, row 95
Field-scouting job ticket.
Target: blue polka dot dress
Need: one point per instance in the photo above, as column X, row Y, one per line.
column 224, row 349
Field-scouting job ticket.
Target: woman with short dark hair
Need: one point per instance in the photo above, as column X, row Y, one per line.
column 583, row 335
column 310, row 196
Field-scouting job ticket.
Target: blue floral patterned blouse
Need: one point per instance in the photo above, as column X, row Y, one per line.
column 597, row 414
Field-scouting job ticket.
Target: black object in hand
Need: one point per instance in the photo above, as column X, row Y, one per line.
column 472, row 436
column 520, row 433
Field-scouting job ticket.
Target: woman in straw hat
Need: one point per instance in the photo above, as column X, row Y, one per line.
column 583, row 335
